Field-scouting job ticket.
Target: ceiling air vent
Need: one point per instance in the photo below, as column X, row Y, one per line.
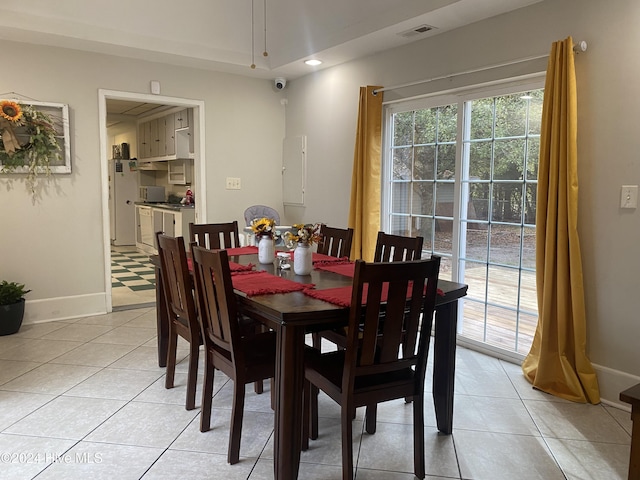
column 420, row 30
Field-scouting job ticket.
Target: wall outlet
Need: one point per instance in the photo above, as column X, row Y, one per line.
column 233, row 183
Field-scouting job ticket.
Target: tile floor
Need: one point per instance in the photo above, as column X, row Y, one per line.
column 85, row 399
column 132, row 278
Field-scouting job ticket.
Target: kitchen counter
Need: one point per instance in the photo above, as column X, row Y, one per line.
column 167, row 206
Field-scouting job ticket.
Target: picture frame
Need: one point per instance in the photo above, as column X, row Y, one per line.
column 59, row 114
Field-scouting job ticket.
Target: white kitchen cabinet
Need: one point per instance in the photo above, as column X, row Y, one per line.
column 167, row 137
column 182, row 118
column 180, row 172
column 170, row 221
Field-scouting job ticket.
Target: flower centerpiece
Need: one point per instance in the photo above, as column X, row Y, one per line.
column 264, row 229
column 304, row 235
column 39, row 146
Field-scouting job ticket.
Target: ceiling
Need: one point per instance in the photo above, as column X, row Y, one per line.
column 217, row 34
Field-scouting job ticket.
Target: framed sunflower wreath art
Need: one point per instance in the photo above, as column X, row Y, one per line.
column 34, row 139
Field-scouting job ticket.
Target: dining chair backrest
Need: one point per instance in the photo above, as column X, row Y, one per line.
column 217, row 301
column 215, row 235
column 374, row 346
column 177, row 282
column 335, row 242
column 396, row 248
column 260, row 211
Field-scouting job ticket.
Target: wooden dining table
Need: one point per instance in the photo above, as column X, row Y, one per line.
column 293, row 315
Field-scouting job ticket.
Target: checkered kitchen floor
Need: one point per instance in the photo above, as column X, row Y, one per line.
column 132, row 277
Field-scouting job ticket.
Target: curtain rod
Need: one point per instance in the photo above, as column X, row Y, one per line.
column 577, row 48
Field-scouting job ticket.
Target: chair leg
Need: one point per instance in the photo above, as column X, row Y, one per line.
column 171, row 358
column 370, row 418
column 313, row 411
column 418, row 436
column 306, row 414
column 192, row 373
column 237, row 411
column 258, row 387
column 316, row 341
column 347, row 440
column 207, row 394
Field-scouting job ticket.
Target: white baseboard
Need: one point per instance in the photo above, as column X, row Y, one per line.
column 64, row 308
column 612, row 382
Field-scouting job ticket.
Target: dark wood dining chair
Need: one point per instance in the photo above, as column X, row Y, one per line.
column 389, row 248
column 181, row 309
column 376, row 366
column 245, row 356
column 335, row 242
column 397, row 248
column 215, row 235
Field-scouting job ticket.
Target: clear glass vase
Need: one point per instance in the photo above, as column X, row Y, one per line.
column 302, row 257
column 266, row 250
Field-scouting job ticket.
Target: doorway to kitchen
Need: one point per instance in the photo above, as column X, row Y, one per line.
column 129, row 277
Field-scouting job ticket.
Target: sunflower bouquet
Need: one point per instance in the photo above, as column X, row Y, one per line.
column 263, row 226
column 27, row 139
column 305, row 233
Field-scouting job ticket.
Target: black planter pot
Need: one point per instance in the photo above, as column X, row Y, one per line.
column 11, row 317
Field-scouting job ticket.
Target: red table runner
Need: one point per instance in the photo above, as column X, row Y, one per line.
column 318, row 259
column 346, row 269
column 242, row 251
column 264, row 283
column 233, row 266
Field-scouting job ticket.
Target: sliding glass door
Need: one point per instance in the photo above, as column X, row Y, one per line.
column 461, row 171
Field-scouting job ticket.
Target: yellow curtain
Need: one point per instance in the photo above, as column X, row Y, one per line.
column 557, row 362
column 364, row 211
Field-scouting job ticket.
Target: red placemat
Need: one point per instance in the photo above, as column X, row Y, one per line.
column 341, row 296
column 346, row 269
column 233, row 266
column 249, row 250
column 264, row 283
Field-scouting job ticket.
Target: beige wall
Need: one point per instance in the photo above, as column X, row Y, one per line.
column 324, row 106
column 56, row 245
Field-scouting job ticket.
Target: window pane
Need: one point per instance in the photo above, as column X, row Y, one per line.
column 533, row 158
column 507, row 202
column 447, row 123
column 535, row 111
column 508, row 163
column 446, row 161
column 482, row 118
column 501, row 327
column 480, row 160
column 504, row 241
column 475, row 275
column 402, row 164
column 400, row 197
column 425, row 161
column 530, row 203
column 422, row 227
column 443, row 236
column 503, row 286
column 511, row 115
column 403, row 128
column 444, row 199
column 399, row 225
column 477, row 244
column 526, row 330
column 529, row 248
column 479, row 201
column 422, row 198
column 425, row 126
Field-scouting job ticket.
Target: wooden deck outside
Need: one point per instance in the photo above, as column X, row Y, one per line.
column 504, row 328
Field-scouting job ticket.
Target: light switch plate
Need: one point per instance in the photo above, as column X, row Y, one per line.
column 629, row 196
column 233, row 183
column 155, row 87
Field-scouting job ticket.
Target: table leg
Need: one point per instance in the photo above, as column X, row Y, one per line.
column 162, row 320
column 444, row 364
column 288, row 414
column 634, row 458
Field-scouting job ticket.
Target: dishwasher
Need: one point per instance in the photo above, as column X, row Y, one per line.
column 146, row 226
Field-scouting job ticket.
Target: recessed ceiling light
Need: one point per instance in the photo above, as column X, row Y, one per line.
column 313, row 62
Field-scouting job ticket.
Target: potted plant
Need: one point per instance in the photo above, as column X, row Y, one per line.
column 11, row 306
